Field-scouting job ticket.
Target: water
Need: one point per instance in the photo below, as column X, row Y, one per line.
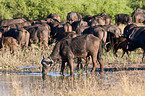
column 27, row 82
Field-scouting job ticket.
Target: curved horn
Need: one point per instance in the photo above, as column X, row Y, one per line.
column 43, row 57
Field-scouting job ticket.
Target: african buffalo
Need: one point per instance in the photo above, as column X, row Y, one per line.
column 20, row 25
column 22, row 36
column 9, row 43
column 53, row 25
column 139, row 18
column 68, row 49
column 39, row 33
column 87, row 18
column 107, row 31
column 122, row 19
column 55, row 16
column 120, row 43
column 137, row 41
column 127, row 29
column 100, row 20
column 73, row 16
column 134, row 36
column 112, row 28
column 106, row 18
column 137, row 15
column 7, row 22
column 79, row 26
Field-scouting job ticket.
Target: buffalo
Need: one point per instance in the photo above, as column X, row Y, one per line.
column 20, row 25
column 132, row 39
column 7, row 22
column 79, row 26
column 55, row 16
column 137, row 41
column 39, row 34
column 106, row 18
column 73, row 16
column 118, row 43
column 9, row 43
column 138, row 15
column 122, row 19
column 68, row 49
column 139, row 18
column 22, row 36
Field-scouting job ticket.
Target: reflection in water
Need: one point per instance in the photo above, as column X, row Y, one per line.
column 14, row 84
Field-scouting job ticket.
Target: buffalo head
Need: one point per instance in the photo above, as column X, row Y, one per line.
column 47, row 63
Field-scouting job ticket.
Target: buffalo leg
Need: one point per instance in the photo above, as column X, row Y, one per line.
column 70, row 63
column 99, row 58
column 143, row 59
column 94, row 61
column 80, row 65
column 87, row 62
column 62, row 67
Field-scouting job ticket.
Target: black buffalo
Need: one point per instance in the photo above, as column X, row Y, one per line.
column 68, row 49
column 122, row 19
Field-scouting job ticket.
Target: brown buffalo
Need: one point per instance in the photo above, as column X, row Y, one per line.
column 139, row 18
column 73, row 16
column 79, row 26
column 120, row 43
column 9, row 43
column 20, row 25
column 106, row 18
column 39, row 34
column 22, row 36
column 7, row 22
column 68, row 49
column 138, row 15
column 100, row 20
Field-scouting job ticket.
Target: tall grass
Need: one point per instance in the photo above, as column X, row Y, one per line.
column 38, row 9
column 33, row 57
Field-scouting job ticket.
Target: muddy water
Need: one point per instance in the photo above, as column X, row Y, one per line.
column 10, row 82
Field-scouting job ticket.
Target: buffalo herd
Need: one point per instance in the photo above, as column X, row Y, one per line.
column 77, row 37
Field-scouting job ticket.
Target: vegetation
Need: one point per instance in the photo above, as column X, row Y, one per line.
column 122, row 83
column 38, row 9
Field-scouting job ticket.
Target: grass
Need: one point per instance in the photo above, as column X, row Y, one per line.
column 34, row 56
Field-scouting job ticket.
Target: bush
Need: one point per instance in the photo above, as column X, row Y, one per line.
column 38, row 9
